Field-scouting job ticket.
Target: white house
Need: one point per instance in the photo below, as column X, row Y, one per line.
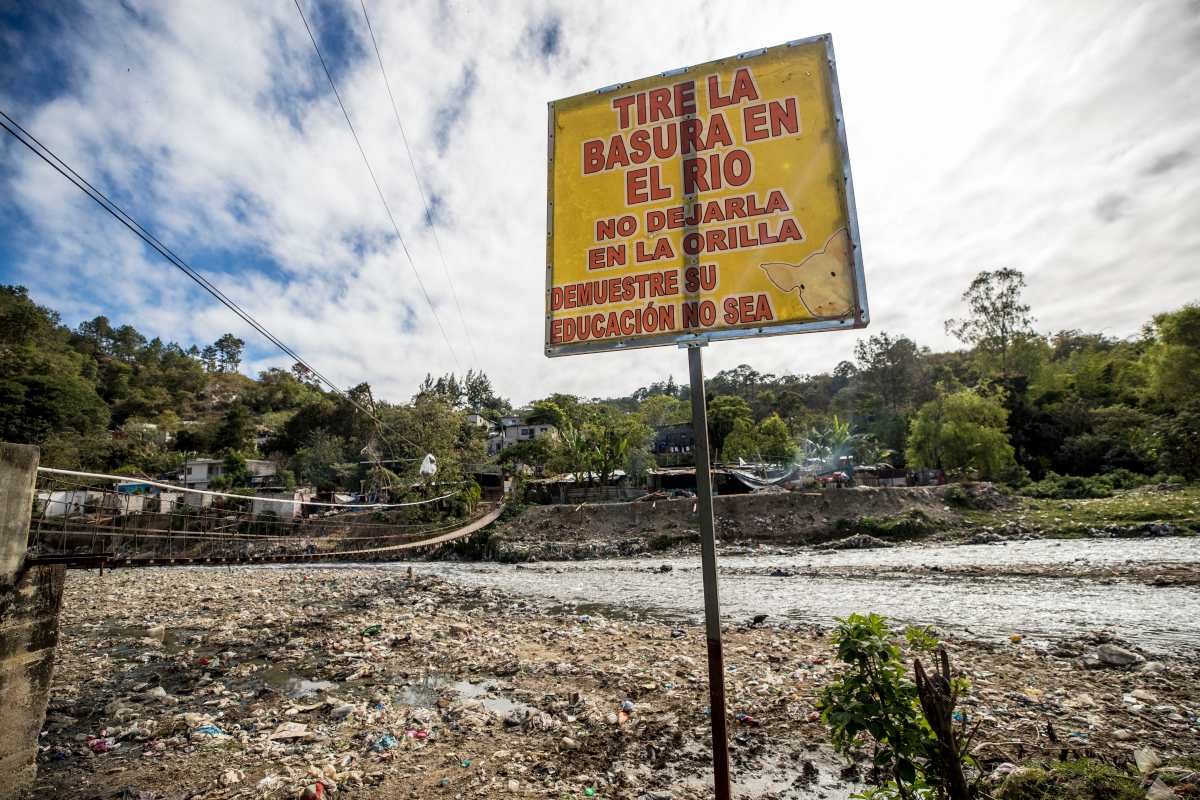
column 514, row 429
column 200, row 472
column 266, row 502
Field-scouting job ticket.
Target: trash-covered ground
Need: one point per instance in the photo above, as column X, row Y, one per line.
column 364, row 682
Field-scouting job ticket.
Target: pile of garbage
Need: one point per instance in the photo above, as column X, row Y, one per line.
column 372, row 682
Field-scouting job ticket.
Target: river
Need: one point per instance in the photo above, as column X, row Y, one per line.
column 1161, row 619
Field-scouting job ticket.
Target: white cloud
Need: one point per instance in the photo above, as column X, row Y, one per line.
column 1060, row 139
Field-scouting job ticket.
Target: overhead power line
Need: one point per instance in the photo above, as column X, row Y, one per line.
column 50, row 157
column 378, row 188
column 420, row 188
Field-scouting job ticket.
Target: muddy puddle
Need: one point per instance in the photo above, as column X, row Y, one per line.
column 1163, row 619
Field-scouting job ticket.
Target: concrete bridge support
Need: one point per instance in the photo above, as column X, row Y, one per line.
column 30, row 598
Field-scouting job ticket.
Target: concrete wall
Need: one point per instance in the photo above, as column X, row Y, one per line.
column 30, row 598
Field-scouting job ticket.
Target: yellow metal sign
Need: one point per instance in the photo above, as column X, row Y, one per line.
column 706, row 203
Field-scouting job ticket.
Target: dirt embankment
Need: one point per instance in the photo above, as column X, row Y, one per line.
column 785, row 518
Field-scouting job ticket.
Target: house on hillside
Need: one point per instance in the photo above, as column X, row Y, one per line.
column 513, row 429
column 673, row 445
column 480, row 421
column 198, row 473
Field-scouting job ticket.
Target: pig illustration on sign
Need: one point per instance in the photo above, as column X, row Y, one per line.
column 823, row 280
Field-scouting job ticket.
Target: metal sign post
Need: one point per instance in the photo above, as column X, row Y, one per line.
column 712, row 600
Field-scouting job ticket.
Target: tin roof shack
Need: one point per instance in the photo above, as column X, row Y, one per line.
column 880, row 475
column 672, row 479
column 564, row 489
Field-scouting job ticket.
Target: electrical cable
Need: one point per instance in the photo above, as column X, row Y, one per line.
column 100, row 198
column 378, row 188
column 420, row 188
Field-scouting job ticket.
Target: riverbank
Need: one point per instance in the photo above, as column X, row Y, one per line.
column 222, row 683
column 832, row 517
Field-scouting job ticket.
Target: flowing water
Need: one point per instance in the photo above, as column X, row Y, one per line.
column 1164, row 619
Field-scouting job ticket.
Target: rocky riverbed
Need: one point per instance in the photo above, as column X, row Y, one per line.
column 371, row 682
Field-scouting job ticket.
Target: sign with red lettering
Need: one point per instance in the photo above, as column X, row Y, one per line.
column 713, row 202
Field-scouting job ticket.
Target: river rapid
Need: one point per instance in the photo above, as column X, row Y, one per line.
column 992, row 604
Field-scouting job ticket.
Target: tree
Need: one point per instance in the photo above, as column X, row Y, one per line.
column 235, row 431
column 34, row 406
column 479, row 393
column 229, row 352
column 997, row 318
column 723, row 413
column 890, row 367
column 546, row 412
column 1174, row 359
column 963, row 432
column 663, row 409
column 322, row 462
column 742, row 442
column 236, row 474
column 538, row 452
column 1179, row 442
column 210, row 357
column 775, row 441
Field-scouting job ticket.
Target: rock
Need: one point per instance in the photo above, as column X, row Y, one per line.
column 343, row 711
column 158, row 632
column 1115, row 656
column 985, row 537
column 459, row 630
column 1122, row 734
column 1144, row 696
column 513, row 785
column 569, row 744
column 861, row 541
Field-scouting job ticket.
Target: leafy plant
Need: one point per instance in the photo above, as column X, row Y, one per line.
column 921, row 638
column 919, row 752
column 873, row 702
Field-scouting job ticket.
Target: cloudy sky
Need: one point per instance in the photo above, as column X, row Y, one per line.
column 1059, row 138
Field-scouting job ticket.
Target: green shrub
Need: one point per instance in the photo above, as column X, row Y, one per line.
column 956, row 495
column 1067, row 487
column 1122, row 479
column 873, row 701
column 919, row 749
column 922, row 638
column 911, row 524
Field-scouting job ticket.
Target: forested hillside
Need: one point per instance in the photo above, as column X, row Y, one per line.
column 1014, row 405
